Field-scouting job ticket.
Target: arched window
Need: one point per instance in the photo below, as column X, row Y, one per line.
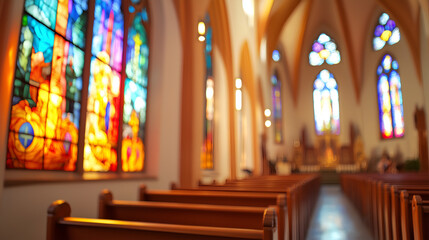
column 47, row 106
column 207, row 161
column 135, row 90
column 326, row 104
column 277, row 108
column 386, row 31
column 324, row 49
column 390, row 98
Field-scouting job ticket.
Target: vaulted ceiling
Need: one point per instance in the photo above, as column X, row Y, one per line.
column 288, row 23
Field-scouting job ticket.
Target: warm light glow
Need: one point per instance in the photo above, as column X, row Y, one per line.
column 248, row 7
column 238, row 101
column 267, row 112
column 238, row 83
column 267, row 123
column 209, row 89
column 201, row 28
column 201, row 38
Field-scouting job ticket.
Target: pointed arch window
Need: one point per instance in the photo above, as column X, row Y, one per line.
column 386, row 31
column 49, row 82
column 326, row 104
column 324, row 49
column 207, row 152
column 389, row 91
column 277, row 107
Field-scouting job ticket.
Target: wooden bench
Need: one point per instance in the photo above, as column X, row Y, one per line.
column 374, row 197
column 396, row 213
column 60, row 226
column 301, row 194
column 406, row 225
column 420, row 218
column 223, row 198
column 182, row 213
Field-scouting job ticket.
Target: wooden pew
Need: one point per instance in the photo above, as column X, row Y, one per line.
column 301, row 193
column 373, row 197
column 406, row 211
column 60, row 226
column 420, row 218
column 181, row 213
column 223, row 198
column 396, row 213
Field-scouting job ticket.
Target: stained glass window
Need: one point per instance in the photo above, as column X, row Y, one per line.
column 135, row 94
column 102, row 120
column 326, row 104
column 386, row 31
column 324, row 49
column 207, row 148
column 276, row 55
column 390, row 98
column 46, row 102
column 277, row 108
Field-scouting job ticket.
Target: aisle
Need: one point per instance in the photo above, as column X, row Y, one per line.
column 336, row 218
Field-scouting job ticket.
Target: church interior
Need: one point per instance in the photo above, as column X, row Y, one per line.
column 113, row 94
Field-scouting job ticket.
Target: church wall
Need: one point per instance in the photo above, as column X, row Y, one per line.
column 8, row 12
column 27, row 205
column 424, row 55
column 243, row 30
column 283, row 149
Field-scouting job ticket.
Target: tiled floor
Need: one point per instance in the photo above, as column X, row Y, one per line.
column 336, row 218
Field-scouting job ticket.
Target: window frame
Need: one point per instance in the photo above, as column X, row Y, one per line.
column 19, row 176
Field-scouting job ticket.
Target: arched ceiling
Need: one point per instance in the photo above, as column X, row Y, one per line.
column 290, row 23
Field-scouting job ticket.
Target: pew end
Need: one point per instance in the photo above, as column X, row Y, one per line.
column 58, row 210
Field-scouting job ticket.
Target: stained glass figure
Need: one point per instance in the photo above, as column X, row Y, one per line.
column 135, row 95
column 277, row 108
column 386, row 31
column 324, row 49
column 48, row 75
column 326, row 104
column 390, row 99
column 102, row 120
column 207, row 161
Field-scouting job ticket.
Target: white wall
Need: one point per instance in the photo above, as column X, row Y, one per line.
column 27, row 205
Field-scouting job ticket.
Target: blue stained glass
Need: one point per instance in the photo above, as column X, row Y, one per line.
column 276, row 55
column 395, row 65
column 390, row 25
column 108, row 32
column 390, row 99
column 144, row 15
column 277, row 108
column 131, row 9
column 379, row 70
column 378, row 30
column 43, row 10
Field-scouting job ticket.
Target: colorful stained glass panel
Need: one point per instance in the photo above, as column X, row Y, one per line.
column 108, row 33
column 326, row 104
column 207, row 152
column 46, row 96
column 390, row 99
column 386, row 31
column 277, row 108
column 324, row 49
